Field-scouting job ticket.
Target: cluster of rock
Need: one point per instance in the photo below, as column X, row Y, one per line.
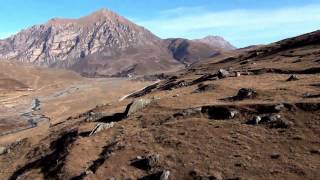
column 273, row 121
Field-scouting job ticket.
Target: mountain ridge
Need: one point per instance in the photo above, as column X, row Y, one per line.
column 102, row 43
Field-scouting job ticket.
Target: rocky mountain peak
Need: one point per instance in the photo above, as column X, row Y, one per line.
column 217, row 42
column 104, row 43
column 67, row 42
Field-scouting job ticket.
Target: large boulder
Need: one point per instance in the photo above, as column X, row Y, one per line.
column 100, row 127
column 138, row 105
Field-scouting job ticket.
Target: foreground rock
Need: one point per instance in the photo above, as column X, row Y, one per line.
column 255, row 120
column 223, row 74
column 245, row 93
column 146, row 162
column 138, row 105
column 273, row 121
column 3, row 150
column 293, row 77
column 100, row 127
column 276, row 121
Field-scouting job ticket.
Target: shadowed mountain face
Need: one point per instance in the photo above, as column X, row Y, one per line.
column 191, row 51
column 104, row 44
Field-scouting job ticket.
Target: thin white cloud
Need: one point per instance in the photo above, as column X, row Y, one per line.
column 190, row 23
column 182, row 10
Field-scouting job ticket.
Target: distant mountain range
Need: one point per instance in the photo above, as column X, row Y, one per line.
column 106, row 44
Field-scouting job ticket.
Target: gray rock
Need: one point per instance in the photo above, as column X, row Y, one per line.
column 3, row 150
column 255, row 120
column 165, row 175
column 153, row 160
column 100, row 127
column 245, row 93
column 276, row 121
column 222, row 73
column 137, row 105
column 293, row 77
column 35, row 104
column 279, row 107
column 146, row 162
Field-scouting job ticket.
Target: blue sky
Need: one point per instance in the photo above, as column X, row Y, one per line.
column 242, row 22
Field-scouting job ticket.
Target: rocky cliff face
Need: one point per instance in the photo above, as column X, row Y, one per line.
column 103, row 36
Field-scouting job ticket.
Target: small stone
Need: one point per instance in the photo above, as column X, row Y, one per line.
column 255, row 120
column 279, row 107
column 245, row 93
column 88, row 172
column 223, row 73
column 165, row 175
column 138, row 157
column 238, row 74
column 232, row 114
column 293, row 77
column 3, row 150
